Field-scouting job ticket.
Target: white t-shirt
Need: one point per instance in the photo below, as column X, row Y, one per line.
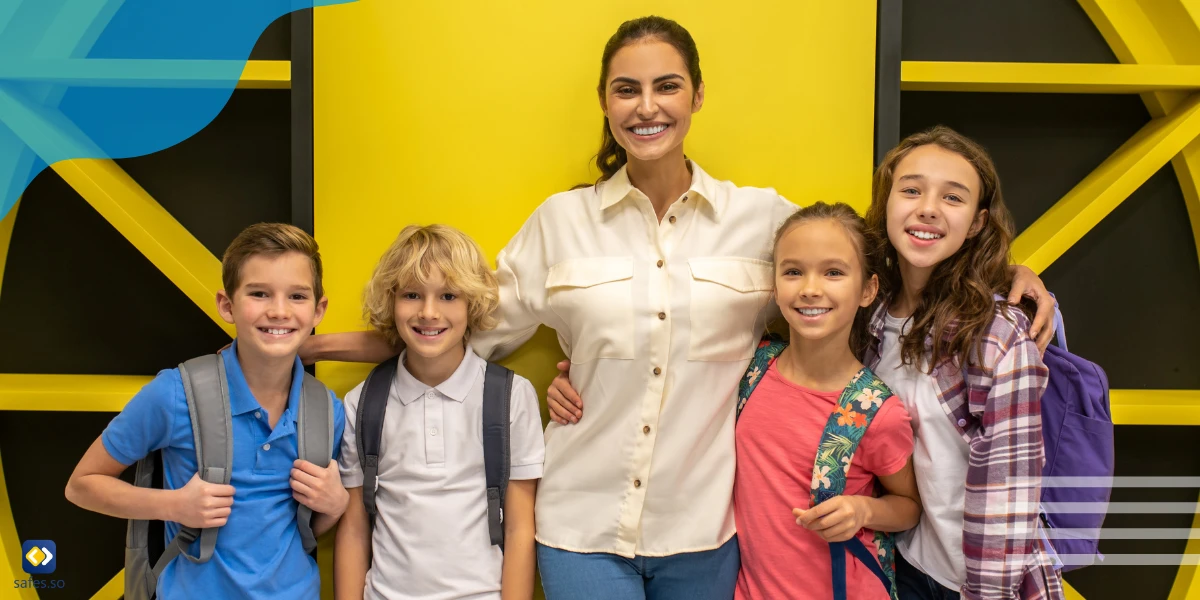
column 940, row 459
column 431, row 536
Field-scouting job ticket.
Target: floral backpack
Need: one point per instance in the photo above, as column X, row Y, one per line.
column 845, row 428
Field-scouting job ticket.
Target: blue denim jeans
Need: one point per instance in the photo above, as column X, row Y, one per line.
column 707, row 575
column 914, row 584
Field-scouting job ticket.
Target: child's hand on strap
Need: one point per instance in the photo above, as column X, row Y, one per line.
column 201, row 504
column 563, row 401
column 319, row 488
column 836, row 519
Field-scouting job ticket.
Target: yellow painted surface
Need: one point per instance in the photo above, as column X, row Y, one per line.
column 114, row 589
column 6, row 229
column 266, row 74
column 89, row 393
column 472, row 114
column 1062, row 78
column 1155, row 407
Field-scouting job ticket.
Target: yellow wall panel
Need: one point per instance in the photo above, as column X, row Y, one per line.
column 472, row 113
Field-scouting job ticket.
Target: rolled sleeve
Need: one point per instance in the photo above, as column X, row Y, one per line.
column 147, row 421
column 348, row 462
column 527, row 440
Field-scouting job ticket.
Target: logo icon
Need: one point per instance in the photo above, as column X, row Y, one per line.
column 39, row 557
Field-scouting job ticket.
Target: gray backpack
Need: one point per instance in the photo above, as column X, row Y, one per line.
column 207, row 393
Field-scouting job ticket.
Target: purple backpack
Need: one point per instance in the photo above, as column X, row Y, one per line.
column 1077, row 430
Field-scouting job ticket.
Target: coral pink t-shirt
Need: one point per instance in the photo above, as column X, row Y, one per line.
column 777, row 438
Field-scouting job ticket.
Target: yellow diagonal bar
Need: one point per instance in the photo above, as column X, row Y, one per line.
column 1106, row 187
column 1046, row 77
column 1070, row 592
column 1158, row 33
column 150, row 228
column 77, row 393
column 1155, row 407
column 115, row 588
column 1187, row 585
column 10, row 547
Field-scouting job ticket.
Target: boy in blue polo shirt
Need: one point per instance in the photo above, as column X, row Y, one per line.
column 273, row 297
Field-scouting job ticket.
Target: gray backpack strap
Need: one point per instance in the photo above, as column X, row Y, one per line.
column 207, row 393
column 140, row 581
column 368, row 428
column 497, row 393
column 314, row 443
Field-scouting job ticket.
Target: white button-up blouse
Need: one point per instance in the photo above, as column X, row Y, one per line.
column 660, row 320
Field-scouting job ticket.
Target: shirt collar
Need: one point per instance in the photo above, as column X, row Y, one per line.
column 242, row 400
column 456, row 388
column 703, row 187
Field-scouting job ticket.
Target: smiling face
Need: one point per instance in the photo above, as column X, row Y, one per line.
column 649, row 99
column 432, row 320
column 819, row 282
column 273, row 308
column 933, row 207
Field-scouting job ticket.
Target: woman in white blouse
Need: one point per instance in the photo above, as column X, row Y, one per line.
column 657, row 280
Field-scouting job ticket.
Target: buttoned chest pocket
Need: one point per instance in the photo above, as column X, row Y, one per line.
column 594, row 297
column 727, row 296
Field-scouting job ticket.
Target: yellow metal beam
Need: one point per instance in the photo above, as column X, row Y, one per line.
column 115, row 588
column 86, row 393
column 266, row 74
column 1157, row 33
column 10, row 546
column 1187, row 585
column 1154, row 407
column 1106, row 187
column 150, row 228
column 6, row 228
column 1062, row 78
column 1070, row 592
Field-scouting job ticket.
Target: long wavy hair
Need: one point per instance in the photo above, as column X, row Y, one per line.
column 957, row 305
column 611, row 156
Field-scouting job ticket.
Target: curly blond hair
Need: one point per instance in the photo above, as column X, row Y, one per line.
column 413, row 257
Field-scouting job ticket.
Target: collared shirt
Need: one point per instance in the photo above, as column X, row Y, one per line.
column 259, row 553
column 996, row 407
column 660, row 320
column 430, row 538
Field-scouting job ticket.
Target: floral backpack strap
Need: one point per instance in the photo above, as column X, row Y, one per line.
column 769, row 348
column 856, row 408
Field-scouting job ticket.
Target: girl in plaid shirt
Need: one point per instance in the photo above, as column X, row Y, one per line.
column 967, row 369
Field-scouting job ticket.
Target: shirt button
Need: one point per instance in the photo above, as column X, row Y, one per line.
column 646, row 429
column 257, row 415
column 660, row 264
column 433, row 431
column 266, row 447
column 657, row 371
column 662, row 316
column 685, row 197
column 672, row 219
column 637, row 483
column 962, row 422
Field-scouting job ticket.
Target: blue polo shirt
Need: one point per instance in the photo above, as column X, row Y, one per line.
column 259, row 553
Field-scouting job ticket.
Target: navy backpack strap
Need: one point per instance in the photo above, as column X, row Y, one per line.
column 769, row 348
column 844, row 430
column 368, row 427
column 497, row 392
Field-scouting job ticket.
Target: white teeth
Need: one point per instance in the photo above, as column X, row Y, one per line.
column 430, row 332
column 279, row 331
column 649, row 130
column 925, row 235
column 814, row 312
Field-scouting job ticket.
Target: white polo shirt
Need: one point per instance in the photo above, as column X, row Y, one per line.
column 659, row 320
column 431, row 535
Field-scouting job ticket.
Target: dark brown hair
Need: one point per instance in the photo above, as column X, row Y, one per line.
column 860, row 235
column 271, row 240
column 612, row 157
column 957, row 305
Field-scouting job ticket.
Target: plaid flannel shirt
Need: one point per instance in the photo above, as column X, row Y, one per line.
column 1000, row 419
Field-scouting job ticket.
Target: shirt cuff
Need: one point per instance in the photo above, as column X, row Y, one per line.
column 352, row 479
column 117, row 455
column 523, row 472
